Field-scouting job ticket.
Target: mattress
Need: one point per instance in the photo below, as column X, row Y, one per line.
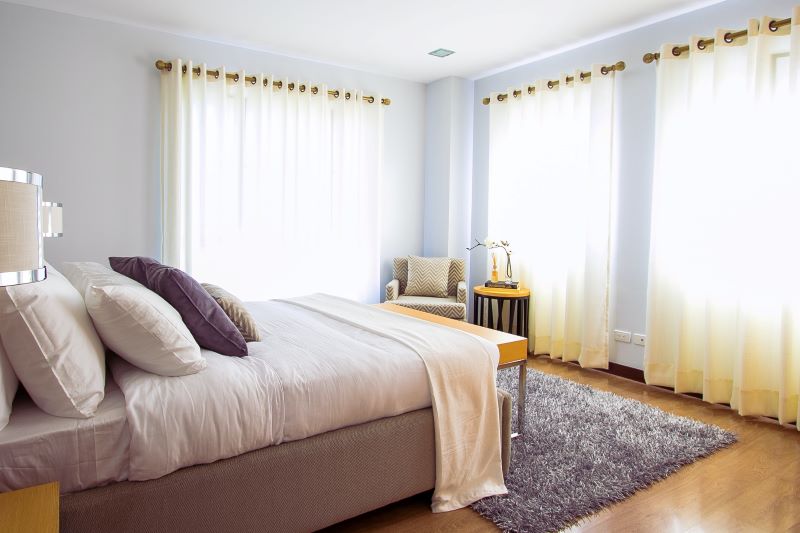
column 79, row 453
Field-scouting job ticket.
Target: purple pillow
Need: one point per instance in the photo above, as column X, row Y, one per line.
column 133, row 267
column 208, row 323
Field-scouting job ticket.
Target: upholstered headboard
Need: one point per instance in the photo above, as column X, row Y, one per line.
column 400, row 273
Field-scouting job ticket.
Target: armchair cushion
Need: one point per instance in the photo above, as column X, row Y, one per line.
column 392, row 290
column 447, row 307
column 461, row 295
column 428, row 276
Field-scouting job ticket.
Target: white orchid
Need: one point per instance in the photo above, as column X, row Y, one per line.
column 491, row 244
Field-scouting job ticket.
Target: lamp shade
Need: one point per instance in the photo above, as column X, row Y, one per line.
column 21, row 253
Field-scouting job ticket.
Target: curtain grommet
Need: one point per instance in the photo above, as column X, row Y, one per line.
column 314, row 90
column 676, row 51
column 183, row 69
column 773, row 26
column 347, row 96
column 728, row 38
column 236, row 78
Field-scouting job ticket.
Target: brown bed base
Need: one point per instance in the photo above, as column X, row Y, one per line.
column 302, row 485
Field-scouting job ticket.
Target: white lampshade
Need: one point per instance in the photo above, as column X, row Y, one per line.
column 52, row 219
column 21, row 254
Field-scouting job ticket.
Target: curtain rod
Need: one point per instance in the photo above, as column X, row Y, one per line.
column 729, row 37
column 619, row 66
column 234, row 76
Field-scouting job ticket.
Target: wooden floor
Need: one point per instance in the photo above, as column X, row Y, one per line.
column 752, row 486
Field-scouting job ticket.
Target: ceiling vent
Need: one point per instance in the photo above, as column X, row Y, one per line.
column 441, row 52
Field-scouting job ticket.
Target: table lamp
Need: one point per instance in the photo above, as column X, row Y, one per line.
column 24, row 221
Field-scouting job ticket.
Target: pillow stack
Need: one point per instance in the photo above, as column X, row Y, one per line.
column 136, row 323
column 156, row 317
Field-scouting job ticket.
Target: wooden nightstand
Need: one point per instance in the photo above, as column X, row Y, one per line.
column 30, row 510
column 517, row 316
column 513, row 349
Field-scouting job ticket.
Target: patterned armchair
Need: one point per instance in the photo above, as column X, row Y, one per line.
column 454, row 305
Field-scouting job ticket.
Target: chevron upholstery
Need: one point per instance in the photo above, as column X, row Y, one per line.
column 427, row 276
column 457, row 273
column 454, row 305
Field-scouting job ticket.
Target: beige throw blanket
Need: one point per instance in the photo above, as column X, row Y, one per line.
column 461, row 372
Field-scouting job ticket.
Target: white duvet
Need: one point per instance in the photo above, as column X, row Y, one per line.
column 324, row 363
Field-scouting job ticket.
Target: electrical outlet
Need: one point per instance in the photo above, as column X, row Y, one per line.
column 622, row 336
column 639, row 338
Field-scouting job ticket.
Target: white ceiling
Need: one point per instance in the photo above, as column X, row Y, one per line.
column 389, row 37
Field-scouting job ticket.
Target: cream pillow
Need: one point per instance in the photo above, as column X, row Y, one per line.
column 8, row 387
column 136, row 323
column 427, row 276
column 49, row 339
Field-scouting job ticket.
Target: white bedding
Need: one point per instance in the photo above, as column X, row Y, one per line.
column 309, row 375
column 80, row 453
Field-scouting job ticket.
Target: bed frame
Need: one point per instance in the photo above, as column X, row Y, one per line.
column 302, row 485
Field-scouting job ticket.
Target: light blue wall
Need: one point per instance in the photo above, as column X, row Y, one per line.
column 448, row 167
column 635, row 131
column 79, row 103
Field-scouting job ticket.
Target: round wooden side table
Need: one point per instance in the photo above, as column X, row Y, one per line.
column 518, row 313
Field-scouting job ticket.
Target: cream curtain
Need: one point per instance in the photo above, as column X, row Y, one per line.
column 723, row 298
column 271, row 192
column 550, row 170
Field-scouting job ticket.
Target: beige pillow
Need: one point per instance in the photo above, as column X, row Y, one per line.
column 8, row 387
column 236, row 311
column 427, row 276
column 136, row 323
column 49, row 339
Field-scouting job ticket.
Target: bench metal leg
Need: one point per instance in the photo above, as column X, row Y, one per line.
column 521, row 399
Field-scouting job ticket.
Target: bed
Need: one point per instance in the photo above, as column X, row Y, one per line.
column 354, row 431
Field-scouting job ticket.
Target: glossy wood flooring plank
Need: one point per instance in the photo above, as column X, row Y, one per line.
column 752, row 486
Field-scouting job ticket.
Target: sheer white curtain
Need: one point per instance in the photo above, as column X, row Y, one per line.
column 724, row 300
column 271, row 192
column 550, row 192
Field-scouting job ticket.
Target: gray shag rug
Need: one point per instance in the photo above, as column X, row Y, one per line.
column 585, row 449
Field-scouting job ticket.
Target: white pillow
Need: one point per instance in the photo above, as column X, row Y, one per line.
column 136, row 323
column 49, row 339
column 8, row 387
